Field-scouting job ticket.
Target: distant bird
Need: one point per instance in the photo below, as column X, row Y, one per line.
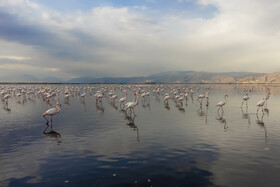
column 202, row 96
column 245, row 99
column 84, row 94
column 166, row 98
column 6, row 97
column 221, row 103
column 52, row 111
column 113, row 97
column 261, row 104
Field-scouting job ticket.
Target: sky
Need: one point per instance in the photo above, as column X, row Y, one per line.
column 120, row 38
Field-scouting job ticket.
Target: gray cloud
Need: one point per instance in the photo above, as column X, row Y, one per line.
column 110, row 41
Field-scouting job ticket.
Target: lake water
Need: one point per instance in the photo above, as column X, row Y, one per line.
column 162, row 145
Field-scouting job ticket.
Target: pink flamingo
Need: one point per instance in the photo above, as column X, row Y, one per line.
column 221, row 103
column 52, row 111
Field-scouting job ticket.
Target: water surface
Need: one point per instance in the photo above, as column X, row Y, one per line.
column 162, row 145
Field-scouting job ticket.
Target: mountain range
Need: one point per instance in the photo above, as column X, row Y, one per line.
column 164, row 77
column 189, row 77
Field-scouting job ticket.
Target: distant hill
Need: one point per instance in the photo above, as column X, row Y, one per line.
column 188, row 77
column 164, row 77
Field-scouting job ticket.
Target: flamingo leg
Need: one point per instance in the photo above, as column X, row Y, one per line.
column 258, row 109
column 242, row 104
column 46, row 119
column 51, row 121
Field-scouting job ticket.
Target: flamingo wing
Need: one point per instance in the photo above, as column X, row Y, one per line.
column 51, row 111
column 221, row 103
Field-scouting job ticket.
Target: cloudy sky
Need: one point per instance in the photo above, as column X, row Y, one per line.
column 74, row 38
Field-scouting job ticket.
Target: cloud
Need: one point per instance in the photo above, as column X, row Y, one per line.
column 130, row 41
column 17, row 58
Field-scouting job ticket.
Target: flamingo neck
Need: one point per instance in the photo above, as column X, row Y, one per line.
column 225, row 99
column 57, row 107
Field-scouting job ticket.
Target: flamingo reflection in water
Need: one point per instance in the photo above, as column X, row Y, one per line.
column 200, row 112
column 100, row 108
column 222, row 120
column 261, row 124
column 53, row 134
column 131, row 124
column 245, row 115
column 166, row 105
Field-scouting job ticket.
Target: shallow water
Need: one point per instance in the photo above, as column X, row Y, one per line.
column 100, row 145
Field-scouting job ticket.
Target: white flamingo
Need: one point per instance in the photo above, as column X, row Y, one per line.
column 84, row 94
column 131, row 105
column 122, row 100
column 113, row 97
column 166, row 98
column 261, row 104
column 6, row 97
column 245, row 99
column 52, row 111
column 221, row 104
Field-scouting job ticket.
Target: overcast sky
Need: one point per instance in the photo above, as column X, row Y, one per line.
column 74, row 38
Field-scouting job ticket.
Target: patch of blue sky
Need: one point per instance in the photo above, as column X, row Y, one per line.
column 186, row 8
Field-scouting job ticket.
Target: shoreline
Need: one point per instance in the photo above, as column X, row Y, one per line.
column 60, row 83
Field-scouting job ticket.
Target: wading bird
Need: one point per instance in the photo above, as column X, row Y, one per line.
column 245, row 99
column 52, row 111
column 221, row 103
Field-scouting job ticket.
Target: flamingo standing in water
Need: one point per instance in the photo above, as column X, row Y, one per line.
column 201, row 96
column 122, row 100
column 166, row 98
column 261, row 104
column 245, row 98
column 83, row 95
column 221, row 103
column 52, row 111
column 131, row 105
column 6, row 97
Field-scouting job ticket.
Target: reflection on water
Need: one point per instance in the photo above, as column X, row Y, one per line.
column 53, row 134
column 95, row 140
column 222, row 120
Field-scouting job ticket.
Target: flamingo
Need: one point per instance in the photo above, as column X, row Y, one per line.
column 52, row 111
column 261, row 104
column 245, row 98
column 266, row 98
column 122, row 100
column 84, row 94
column 113, row 97
column 221, row 103
column 131, row 105
column 6, row 97
column 201, row 96
column 166, row 98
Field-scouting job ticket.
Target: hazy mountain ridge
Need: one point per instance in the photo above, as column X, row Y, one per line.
column 189, row 77
column 164, row 77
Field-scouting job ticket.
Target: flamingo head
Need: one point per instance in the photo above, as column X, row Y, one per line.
column 226, row 95
column 58, row 103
